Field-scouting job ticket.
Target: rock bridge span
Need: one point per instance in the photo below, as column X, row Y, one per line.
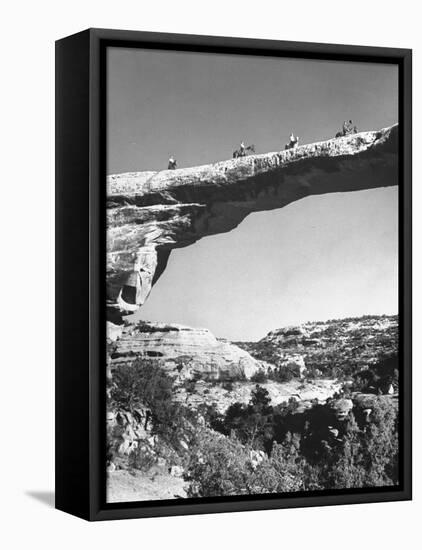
column 151, row 213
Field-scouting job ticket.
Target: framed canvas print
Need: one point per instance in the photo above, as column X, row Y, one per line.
column 233, row 274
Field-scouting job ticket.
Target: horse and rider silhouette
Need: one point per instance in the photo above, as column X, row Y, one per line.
column 348, row 129
column 244, row 151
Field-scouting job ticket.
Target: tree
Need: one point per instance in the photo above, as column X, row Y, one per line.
column 368, row 457
column 145, row 384
column 260, row 418
column 381, row 445
column 378, row 377
column 142, row 382
column 346, row 466
column 252, row 424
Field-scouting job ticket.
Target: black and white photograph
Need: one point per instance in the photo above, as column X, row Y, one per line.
column 210, row 285
column 252, row 276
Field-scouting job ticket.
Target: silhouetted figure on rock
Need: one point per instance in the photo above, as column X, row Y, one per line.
column 293, row 142
column 347, row 129
column 172, row 165
column 243, row 151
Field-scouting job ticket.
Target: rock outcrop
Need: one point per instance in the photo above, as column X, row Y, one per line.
column 151, row 213
column 353, row 343
column 125, row 429
column 186, row 352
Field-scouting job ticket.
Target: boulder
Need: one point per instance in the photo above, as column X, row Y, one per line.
column 124, row 431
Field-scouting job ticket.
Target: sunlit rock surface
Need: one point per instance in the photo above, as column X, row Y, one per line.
column 186, row 352
column 150, row 213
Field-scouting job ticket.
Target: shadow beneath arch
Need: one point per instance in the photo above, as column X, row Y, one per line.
column 45, row 497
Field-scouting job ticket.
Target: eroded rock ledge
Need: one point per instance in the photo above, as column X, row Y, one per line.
column 187, row 352
column 150, row 213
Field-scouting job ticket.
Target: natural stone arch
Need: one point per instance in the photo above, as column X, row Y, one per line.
column 151, row 213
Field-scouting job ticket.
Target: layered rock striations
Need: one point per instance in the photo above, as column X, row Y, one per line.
column 315, row 349
column 189, row 353
column 151, row 213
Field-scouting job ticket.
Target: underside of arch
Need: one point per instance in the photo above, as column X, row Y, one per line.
column 151, row 213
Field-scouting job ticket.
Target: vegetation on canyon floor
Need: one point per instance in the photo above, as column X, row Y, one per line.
column 349, row 441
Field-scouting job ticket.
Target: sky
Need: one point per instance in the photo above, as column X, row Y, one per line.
column 322, row 257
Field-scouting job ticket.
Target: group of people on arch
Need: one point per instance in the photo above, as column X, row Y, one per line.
column 348, row 128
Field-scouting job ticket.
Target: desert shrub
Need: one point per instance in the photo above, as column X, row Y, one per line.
column 142, row 458
column 221, row 466
column 160, row 454
column 211, row 416
column 282, row 373
column 218, row 466
column 284, row 471
column 259, row 377
column 141, row 382
column 145, row 384
column 182, row 361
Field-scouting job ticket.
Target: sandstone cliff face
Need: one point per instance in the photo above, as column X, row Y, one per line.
column 187, row 352
column 150, row 213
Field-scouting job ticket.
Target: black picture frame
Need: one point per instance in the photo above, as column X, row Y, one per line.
column 80, row 269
